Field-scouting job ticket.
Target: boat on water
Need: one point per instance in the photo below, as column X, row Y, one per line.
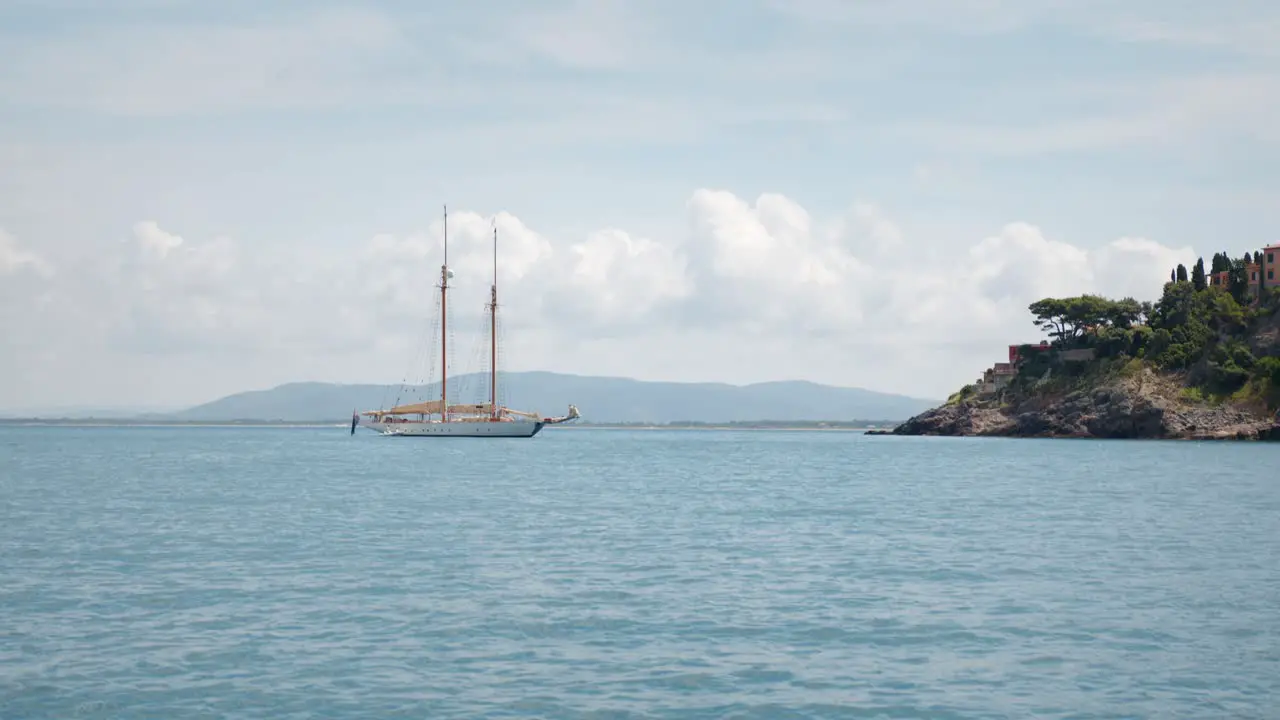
column 438, row 418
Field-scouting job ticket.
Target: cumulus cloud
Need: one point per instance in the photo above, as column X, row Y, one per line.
column 765, row 265
column 768, row 265
column 14, row 259
column 26, row 303
column 1132, row 267
column 851, row 299
column 402, row 269
column 616, row 280
column 153, row 240
column 1021, row 261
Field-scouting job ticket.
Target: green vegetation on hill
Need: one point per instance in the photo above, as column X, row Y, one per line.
column 1220, row 340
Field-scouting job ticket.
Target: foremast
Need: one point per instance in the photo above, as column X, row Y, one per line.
column 444, row 324
column 493, row 331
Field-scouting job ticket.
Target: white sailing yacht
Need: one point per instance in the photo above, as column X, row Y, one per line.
column 437, row 418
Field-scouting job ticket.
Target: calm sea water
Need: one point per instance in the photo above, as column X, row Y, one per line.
column 302, row 573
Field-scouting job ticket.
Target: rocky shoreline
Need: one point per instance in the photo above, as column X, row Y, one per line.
column 1148, row 406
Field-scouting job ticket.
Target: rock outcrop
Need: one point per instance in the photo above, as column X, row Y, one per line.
column 1146, row 405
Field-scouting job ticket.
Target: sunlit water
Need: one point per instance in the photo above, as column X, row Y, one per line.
column 302, row 573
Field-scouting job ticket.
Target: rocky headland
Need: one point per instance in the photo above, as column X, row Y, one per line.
column 1202, row 363
column 1148, row 405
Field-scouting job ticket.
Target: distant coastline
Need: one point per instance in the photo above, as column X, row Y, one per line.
column 826, row 425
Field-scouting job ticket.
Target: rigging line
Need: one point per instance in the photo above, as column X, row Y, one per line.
column 452, row 358
column 480, row 361
column 429, row 378
column 414, row 360
column 412, row 386
column 427, row 365
column 503, row 395
column 486, row 361
column 476, row 359
column 463, row 375
column 418, row 359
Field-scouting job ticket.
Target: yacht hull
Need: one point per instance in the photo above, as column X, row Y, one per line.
column 492, row 429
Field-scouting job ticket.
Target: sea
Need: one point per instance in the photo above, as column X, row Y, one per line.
column 231, row 572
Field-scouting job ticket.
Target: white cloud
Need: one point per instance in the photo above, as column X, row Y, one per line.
column 287, row 127
column 1176, row 113
column 617, row 280
column 153, row 240
column 333, row 59
column 1131, row 267
column 14, row 259
column 855, row 300
column 1244, row 26
column 30, row 315
column 765, row 266
column 1021, row 262
column 972, row 16
column 585, row 34
column 1247, row 27
column 319, row 59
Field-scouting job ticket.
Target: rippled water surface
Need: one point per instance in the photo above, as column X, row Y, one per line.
column 302, row 573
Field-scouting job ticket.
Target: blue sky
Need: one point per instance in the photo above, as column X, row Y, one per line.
column 994, row 144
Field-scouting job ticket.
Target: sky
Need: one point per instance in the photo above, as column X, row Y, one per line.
column 203, row 198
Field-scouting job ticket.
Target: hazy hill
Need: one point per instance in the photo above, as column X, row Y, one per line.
column 601, row 399
column 103, row 412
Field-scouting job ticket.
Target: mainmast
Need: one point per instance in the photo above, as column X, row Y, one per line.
column 444, row 324
column 493, row 329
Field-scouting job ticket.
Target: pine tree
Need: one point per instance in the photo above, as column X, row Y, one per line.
column 1239, row 280
column 1181, row 273
column 1173, row 276
column 1197, row 274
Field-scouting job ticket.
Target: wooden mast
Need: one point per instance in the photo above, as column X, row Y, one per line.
column 493, row 330
column 444, row 324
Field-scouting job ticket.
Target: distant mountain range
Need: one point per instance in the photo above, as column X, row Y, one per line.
column 101, row 412
column 600, row 399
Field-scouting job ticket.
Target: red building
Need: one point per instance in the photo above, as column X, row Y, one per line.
column 1269, row 269
column 1013, row 351
column 1258, row 275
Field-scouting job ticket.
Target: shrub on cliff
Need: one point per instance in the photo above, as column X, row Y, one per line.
column 1190, row 320
column 1269, row 368
column 1071, row 321
column 965, row 393
column 1201, row 330
column 1227, row 367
